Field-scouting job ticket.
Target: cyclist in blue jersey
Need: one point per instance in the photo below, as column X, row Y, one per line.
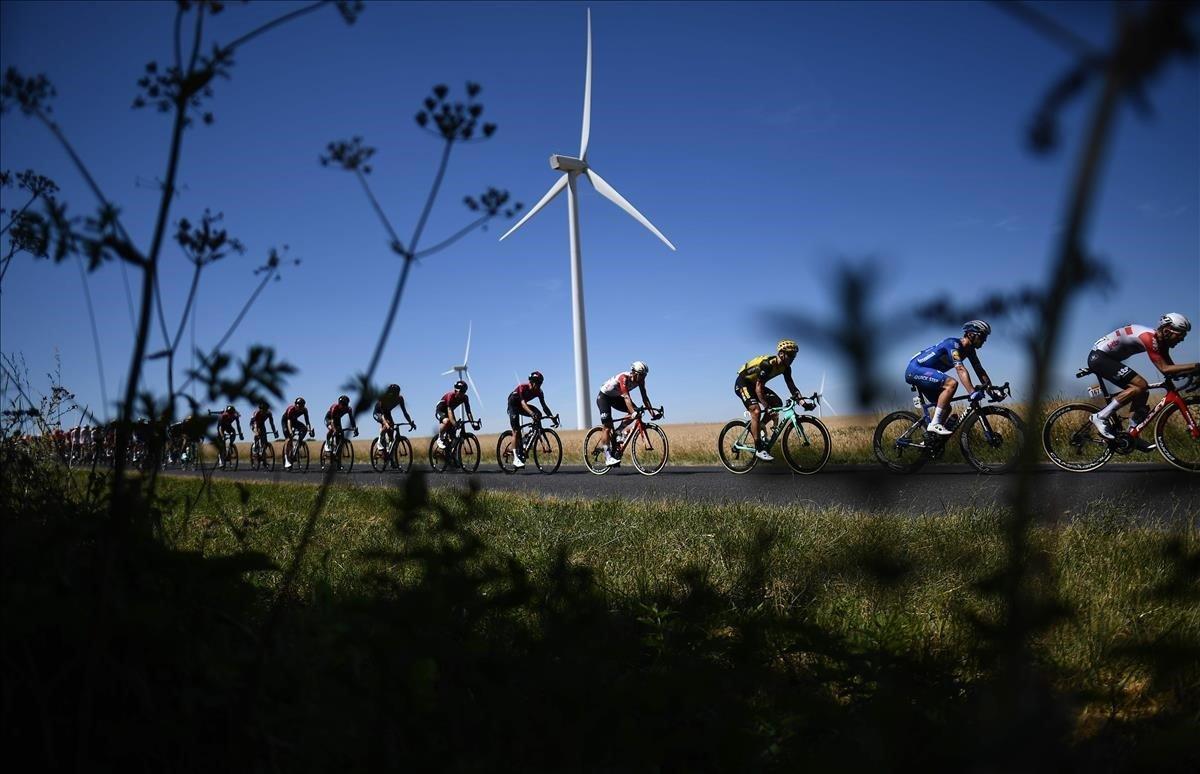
column 927, row 370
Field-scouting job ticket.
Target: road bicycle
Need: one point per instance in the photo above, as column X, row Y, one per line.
column 338, row 449
column 805, row 439
column 646, row 441
column 540, row 444
column 262, row 453
column 189, row 455
column 1073, row 443
column 392, row 450
column 295, row 450
column 227, row 455
column 462, row 451
column 990, row 437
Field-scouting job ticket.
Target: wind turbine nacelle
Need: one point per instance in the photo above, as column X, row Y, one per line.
column 567, row 163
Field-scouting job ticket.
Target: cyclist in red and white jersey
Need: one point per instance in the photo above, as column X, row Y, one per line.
column 614, row 394
column 226, row 422
column 295, row 422
column 333, row 419
column 444, row 412
column 259, row 420
column 1109, row 353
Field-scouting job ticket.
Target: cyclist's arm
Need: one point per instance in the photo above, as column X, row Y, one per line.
column 985, row 380
column 787, row 377
column 404, row 411
column 238, row 422
column 645, row 397
column 467, row 408
column 353, row 424
column 271, row 419
column 1162, row 361
column 545, row 408
column 963, row 376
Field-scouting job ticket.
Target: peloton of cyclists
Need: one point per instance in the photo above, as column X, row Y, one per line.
column 1107, row 359
column 333, row 420
column 391, row 399
column 751, row 387
column 614, row 395
column 444, row 412
column 519, row 405
column 296, row 424
column 927, row 371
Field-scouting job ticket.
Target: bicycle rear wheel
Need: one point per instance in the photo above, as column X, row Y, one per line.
column 806, row 445
column 894, row 440
column 593, row 451
column 547, row 452
column 379, row 456
column 439, row 459
column 991, row 439
column 735, row 447
column 1175, row 441
column 468, row 453
column 650, row 450
column 505, row 451
column 1072, row 442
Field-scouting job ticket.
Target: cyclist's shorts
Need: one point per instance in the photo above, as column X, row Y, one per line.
column 1110, row 368
column 745, row 392
column 606, row 404
column 928, row 381
column 515, row 412
column 298, row 427
column 440, row 412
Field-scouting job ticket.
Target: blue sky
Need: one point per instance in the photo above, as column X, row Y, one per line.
column 765, row 140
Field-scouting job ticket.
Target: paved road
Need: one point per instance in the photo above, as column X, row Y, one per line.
column 1152, row 492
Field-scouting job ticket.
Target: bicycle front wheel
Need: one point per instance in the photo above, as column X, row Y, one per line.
column 300, row 464
column 468, row 453
column 267, row 457
column 1072, row 442
column 231, row 457
column 806, row 445
column 1175, row 441
column 736, row 448
column 899, row 442
column 346, row 455
column 593, row 451
column 505, row 452
column 991, row 439
column 379, row 457
column 650, row 450
column 547, row 452
column 402, row 455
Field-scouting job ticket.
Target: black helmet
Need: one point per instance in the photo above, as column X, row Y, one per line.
column 230, row 408
column 262, row 404
column 536, row 376
column 344, row 400
column 393, row 389
column 460, row 386
column 299, row 401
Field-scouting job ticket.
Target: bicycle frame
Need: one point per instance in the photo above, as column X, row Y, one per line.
column 528, row 439
column 1172, row 396
column 1003, row 391
column 784, row 415
column 639, row 427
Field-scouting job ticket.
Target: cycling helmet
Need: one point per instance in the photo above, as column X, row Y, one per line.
column 344, row 400
column 299, row 401
column 977, row 326
column 262, row 404
column 230, row 408
column 393, row 389
column 1177, row 321
column 460, row 386
column 639, row 367
column 536, row 376
column 787, row 345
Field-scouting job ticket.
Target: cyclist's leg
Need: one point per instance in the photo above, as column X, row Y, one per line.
column 1133, row 386
column 515, row 412
column 773, row 402
column 602, row 403
column 745, row 393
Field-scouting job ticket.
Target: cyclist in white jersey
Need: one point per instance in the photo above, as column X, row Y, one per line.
column 1109, row 353
column 614, row 394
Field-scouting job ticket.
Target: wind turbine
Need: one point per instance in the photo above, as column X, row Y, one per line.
column 821, row 398
column 461, row 370
column 572, row 168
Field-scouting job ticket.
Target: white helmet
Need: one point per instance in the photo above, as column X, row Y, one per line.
column 639, row 367
column 1177, row 321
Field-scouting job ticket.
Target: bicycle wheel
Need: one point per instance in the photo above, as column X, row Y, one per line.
column 267, row 457
column 300, row 463
column 439, row 459
column 467, row 453
column 547, row 452
column 650, row 450
column 402, row 455
column 892, row 442
column 255, row 455
column 346, row 455
column 806, row 445
column 379, row 457
column 231, row 458
column 1175, row 441
column 1071, row 440
column 991, row 439
column 593, row 451
column 504, row 452
column 735, row 447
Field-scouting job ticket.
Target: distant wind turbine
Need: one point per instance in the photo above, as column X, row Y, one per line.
column 821, row 399
column 572, row 168
column 461, row 370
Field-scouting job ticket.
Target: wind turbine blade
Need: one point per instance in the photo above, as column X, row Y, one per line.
column 467, row 354
column 555, row 190
column 448, row 372
column 610, row 193
column 587, row 94
column 830, row 405
column 473, row 387
column 821, row 389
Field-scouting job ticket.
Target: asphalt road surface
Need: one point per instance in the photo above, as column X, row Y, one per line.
column 1151, row 492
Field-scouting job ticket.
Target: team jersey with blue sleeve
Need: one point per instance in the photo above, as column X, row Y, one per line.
column 943, row 356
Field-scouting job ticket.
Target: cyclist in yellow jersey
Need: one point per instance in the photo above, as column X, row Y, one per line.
column 751, row 388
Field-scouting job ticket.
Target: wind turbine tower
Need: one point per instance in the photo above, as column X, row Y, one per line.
column 572, row 168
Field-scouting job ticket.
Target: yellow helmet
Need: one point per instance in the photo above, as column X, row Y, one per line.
column 787, row 345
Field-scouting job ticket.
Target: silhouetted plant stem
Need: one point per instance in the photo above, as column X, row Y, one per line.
column 397, row 245
column 87, row 296
column 275, row 23
column 462, row 232
column 18, row 214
